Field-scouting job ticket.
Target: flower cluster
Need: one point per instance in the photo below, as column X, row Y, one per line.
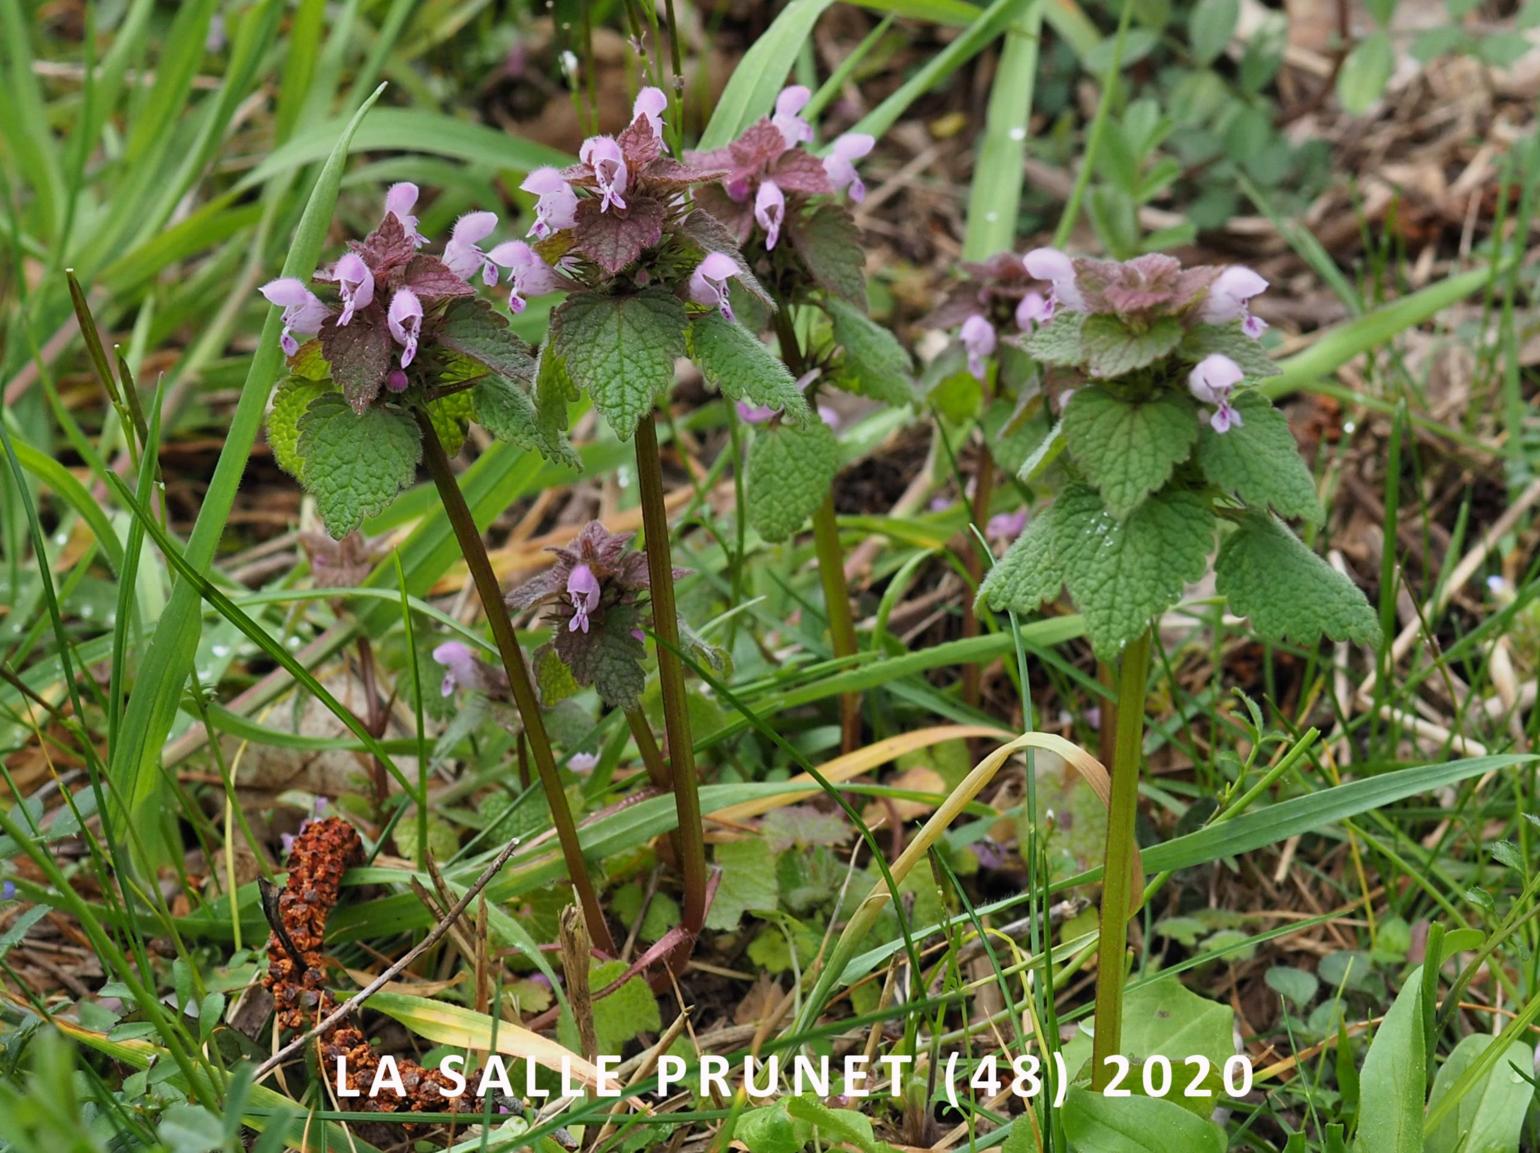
column 593, row 596
column 994, row 296
column 768, row 172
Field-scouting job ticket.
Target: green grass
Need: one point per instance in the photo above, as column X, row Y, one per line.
column 175, row 692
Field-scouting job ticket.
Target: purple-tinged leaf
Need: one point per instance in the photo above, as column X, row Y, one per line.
column 639, row 145
column 432, row 280
column 360, row 355
column 615, row 239
column 387, row 248
column 801, row 172
column 829, row 243
column 474, row 330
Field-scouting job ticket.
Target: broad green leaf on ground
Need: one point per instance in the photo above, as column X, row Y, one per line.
column 1268, row 574
column 829, row 243
column 1362, row 78
column 620, row 1017
column 1393, row 1081
column 1252, row 357
column 1128, row 449
column 771, row 1130
column 1060, row 341
column 791, row 468
column 290, row 401
column 1259, row 461
column 355, row 463
column 749, row 881
column 736, row 363
column 1027, row 575
column 1165, row 1018
column 621, row 349
column 1098, row 1124
column 1123, row 574
column 844, row 1126
column 876, row 364
column 476, row 330
column 1112, row 348
column 505, row 410
column 1490, row 1118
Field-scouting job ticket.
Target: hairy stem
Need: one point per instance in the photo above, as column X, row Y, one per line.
column 1117, row 892
column 831, row 557
column 491, row 594
column 676, row 715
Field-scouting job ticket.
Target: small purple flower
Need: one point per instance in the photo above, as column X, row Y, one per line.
column 8, row 890
column 788, row 115
column 1006, row 525
column 940, row 503
column 1229, row 299
column 603, row 155
column 395, row 380
column 303, row 310
column 770, row 211
column 463, row 254
column 1058, row 270
column 556, row 207
column 400, row 199
column 355, row 284
column 828, row 416
column 1034, row 309
column 756, row 413
column 651, row 103
column 978, row 337
column 708, row 283
column 405, row 320
column 583, row 591
column 840, row 164
column 527, row 271
column 1211, row 381
column 459, row 666
column 584, row 762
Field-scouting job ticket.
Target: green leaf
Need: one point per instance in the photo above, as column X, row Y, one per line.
column 1123, row 574
column 735, row 362
column 875, row 362
column 1259, row 461
column 1027, row 575
column 842, row 1125
column 1298, row 986
column 1394, row 1078
column 1167, row 1019
column 552, row 677
column 355, row 464
column 770, row 1130
column 621, row 349
column 1365, row 73
column 790, row 470
column 1060, row 341
column 449, row 415
column 505, row 410
column 620, row 1017
column 474, row 329
column 762, row 72
column 829, row 244
column 1098, row 1124
column 1210, row 27
column 1489, row 1119
column 289, row 404
column 1112, row 348
column 554, row 391
column 1129, row 449
column 1268, row 574
column 748, row 882
column 1253, row 359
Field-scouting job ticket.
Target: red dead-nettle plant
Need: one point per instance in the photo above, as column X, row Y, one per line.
column 784, row 207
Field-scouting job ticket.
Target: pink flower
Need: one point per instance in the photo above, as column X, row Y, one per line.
column 1058, row 270
column 1229, row 299
column 355, row 284
column 755, row 413
column 603, row 155
column 1034, row 309
column 840, row 164
column 303, row 310
column 583, row 591
column 405, row 320
column 463, row 254
column 459, row 666
column 708, row 283
column 1006, row 525
column 651, row 103
column 396, row 380
column 1211, row 381
column 399, row 201
column 788, row 115
column 978, row 337
column 770, row 211
column 528, row 272
column 828, row 416
column 584, row 762
column 556, row 207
